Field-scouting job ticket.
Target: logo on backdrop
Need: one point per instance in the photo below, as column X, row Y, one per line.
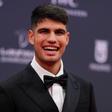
column 101, row 54
column 101, row 51
column 70, row 3
column 1, row 3
column 19, row 55
column 22, row 38
column 72, row 7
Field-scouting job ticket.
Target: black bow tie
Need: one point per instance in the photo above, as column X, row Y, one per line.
column 49, row 81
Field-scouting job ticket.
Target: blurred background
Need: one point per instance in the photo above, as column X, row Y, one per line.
column 89, row 54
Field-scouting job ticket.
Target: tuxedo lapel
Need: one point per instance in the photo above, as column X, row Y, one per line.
column 72, row 94
column 34, row 88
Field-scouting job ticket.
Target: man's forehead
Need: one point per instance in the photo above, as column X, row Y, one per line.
column 51, row 25
column 45, row 21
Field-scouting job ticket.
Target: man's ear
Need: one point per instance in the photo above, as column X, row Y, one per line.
column 30, row 36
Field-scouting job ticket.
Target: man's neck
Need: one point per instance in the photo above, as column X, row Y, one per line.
column 52, row 67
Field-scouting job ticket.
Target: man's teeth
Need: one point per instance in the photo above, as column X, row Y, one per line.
column 51, row 48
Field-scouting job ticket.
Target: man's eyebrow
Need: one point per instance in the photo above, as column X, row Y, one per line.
column 43, row 29
column 47, row 29
column 60, row 29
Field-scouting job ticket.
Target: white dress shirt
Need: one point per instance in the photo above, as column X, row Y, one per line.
column 56, row 91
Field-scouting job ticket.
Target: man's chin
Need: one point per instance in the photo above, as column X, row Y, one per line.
column 52, row 60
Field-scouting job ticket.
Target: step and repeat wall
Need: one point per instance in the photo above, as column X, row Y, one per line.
column 89, row 54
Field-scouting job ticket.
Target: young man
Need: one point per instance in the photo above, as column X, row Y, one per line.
column 44, row 85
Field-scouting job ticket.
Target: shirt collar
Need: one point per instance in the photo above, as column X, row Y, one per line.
column 41, row 71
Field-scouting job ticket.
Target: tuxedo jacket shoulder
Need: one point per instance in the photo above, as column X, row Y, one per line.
column 25, row 92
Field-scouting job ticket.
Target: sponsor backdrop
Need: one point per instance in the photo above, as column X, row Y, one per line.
column 89, row 54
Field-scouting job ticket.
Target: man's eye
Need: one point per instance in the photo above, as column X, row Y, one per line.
column 59, row 32
column 43, row 31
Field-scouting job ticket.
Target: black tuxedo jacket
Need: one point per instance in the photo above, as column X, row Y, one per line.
column 25, row 92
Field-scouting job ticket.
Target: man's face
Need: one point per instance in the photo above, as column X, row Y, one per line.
column 49, row 39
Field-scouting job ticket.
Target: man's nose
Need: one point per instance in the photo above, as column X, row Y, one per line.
column 52, row 37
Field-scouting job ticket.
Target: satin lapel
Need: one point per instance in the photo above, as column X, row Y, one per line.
column 72, row 94
column 34, row 88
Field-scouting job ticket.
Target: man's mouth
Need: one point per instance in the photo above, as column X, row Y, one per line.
column 51, row 48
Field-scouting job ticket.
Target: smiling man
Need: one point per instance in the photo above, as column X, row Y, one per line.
column 49, row 38
column 44, row 85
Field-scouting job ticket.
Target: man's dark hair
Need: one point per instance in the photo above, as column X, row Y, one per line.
column 49, row 11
